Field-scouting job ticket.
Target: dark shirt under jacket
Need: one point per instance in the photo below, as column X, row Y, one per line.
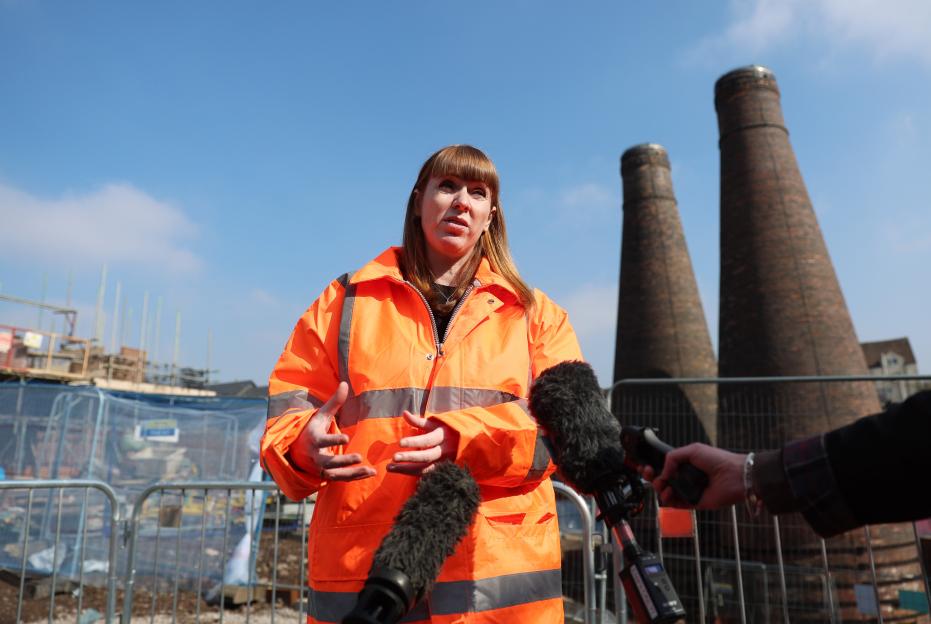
column 442, row 320
column 874, row 470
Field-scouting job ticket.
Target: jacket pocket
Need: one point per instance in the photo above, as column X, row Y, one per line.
column 345, row 553
column 510, row 544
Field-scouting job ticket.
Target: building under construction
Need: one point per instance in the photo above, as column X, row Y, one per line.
column 33, row 353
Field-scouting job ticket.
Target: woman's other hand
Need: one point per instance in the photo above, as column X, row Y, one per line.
column 311, row 449
column 436, row 443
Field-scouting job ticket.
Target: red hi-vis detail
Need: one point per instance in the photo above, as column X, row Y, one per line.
column 675, row 522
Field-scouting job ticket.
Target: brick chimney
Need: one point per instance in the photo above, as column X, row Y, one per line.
column 782, row 313
column 661, row 328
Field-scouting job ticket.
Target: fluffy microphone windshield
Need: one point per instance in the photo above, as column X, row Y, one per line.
column 430, row 525
column 567, row 401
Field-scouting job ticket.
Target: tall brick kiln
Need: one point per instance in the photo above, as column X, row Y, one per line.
column 661, row 328
column 782, row 313
column 661, row 334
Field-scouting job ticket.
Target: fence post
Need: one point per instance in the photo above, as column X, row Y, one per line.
column 588, row 555
column 24, row 425
column 869, row 550
column 699, row 583
column 921, row 560
column 130, row 538
column 740, row 574
column 782, row 571
column 827, row 578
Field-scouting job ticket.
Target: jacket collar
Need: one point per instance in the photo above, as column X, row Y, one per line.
column 387, row 266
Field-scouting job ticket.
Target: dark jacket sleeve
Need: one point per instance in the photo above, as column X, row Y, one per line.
column 867, row 472
column 882, row 462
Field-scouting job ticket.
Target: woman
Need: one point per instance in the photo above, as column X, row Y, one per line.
column 426, row 354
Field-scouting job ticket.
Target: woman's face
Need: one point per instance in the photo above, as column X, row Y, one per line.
column 453, row 213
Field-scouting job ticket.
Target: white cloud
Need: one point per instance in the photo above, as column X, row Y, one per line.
column 586, row 196
column 263, row 298
column 592, row 311
column 761, row 23
column 584, row 207
column 905, row 129
column 890, row 28
column 886, row 29
column 117, row 223
column 907, row 238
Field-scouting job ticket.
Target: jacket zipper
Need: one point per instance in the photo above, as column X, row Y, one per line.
column 452, row 316
column 436, row 334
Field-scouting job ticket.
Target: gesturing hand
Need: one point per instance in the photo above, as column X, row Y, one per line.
column 437, row 442
column 310, row 450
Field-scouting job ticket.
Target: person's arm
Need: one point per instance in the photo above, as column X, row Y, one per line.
column 502, row 444
column 304, row 396
column 853, row 475
column 856, row 474
column 780, row 479
column 876, row 461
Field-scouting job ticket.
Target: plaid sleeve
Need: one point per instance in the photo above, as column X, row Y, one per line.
column 818, row 497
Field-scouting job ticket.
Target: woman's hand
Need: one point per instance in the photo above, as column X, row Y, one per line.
column 310, row 450
column 438, row 442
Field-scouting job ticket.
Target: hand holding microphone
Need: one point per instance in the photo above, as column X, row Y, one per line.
column 723, row 468
column 645, row 451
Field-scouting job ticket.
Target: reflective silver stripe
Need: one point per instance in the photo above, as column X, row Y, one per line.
column 529, row 352
column 345, row 324
column 454, row 597
column 391, row 402
column 283, row 401
column 333, row 607
column 541, row 457
column 381, row 404
column 495, row 593
column 448, row 398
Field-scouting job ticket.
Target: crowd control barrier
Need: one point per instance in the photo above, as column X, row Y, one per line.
column 236, row 550
column 43, row 554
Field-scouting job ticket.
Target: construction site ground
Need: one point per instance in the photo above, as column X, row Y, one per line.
column 235, row 610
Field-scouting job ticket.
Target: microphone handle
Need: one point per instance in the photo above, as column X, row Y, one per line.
column 689, row 482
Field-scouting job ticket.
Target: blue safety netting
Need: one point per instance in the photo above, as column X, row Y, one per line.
column 130, row 441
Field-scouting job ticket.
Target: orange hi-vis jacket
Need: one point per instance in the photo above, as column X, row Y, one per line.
column 376, row 332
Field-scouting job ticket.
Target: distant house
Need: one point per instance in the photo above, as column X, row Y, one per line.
column 239, row 389
column 892, row 357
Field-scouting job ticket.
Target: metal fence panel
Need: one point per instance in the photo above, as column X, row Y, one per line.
column 193, row 548
column 764, row 569
column 184, row 532
column 42, row 553
column 128, row 441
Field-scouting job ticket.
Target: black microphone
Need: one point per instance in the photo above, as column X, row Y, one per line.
column 426, row 531
column 567, row 401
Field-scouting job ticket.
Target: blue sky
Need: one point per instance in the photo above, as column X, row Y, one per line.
column 233, row 158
